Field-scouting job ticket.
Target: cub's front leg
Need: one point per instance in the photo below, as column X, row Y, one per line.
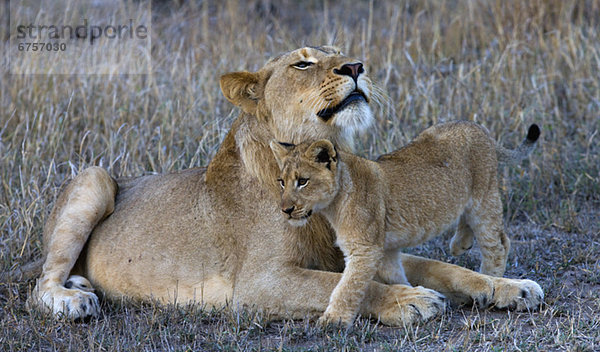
column 391, row 270
column 362, row 262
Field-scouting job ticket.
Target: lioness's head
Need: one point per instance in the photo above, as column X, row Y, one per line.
column 308, row 178
column 309, row 93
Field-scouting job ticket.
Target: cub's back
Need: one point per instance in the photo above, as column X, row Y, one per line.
column 440, row 141
column 452, row 150
column 432, row 179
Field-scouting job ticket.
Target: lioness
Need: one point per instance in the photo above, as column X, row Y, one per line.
column 215, row 236
column 405, row 198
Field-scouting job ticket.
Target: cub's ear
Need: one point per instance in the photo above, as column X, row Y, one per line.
column 280, row 151
column 322, row 151
column 244, row 89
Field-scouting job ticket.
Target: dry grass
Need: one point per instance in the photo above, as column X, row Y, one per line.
column 505, row 64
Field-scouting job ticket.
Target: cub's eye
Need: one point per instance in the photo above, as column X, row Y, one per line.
column 281, row 183
column 302, row 182
column 302, row 65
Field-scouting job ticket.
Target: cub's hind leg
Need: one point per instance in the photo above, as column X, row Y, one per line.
column 488, row 229
column 463, row 238
column 87, row 200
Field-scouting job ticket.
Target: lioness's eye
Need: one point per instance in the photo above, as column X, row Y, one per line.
column 281, row 183
column 302, row 65
column 302, row 182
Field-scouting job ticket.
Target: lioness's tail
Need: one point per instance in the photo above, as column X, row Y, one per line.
column 25, row 272
column 523, row 150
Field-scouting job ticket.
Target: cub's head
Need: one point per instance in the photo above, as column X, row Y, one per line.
column 308, row 93
column 308, row 178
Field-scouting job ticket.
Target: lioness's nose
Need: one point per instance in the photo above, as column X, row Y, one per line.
column 352, row 70
column 288, row 210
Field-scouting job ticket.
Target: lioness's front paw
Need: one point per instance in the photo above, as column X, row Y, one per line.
column 517, row 294
column 78, row 302
column 411, row 305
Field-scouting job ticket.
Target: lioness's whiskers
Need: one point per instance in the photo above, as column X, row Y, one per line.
column 382, row 99
column 309, row 100
column 312, row 100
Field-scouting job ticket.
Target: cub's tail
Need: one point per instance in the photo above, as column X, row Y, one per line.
column 523, row 150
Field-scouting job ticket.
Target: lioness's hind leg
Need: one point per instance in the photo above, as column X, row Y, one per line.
column 88, row 199
column 463, row 238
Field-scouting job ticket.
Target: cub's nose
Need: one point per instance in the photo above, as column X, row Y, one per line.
column 352, row 70
column 288, row 210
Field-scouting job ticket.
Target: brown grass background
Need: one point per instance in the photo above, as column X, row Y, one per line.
column 504, row 64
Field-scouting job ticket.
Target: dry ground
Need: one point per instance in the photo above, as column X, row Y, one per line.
column 504, row 64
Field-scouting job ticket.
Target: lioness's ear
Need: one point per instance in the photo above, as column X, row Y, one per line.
column 323, row 151
column 243, row 89
column 280, row 151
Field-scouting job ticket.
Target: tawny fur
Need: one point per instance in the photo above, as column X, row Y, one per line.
column 215, row 236
column 404, row 199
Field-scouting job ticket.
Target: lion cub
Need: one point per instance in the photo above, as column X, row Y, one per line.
column 448, row 174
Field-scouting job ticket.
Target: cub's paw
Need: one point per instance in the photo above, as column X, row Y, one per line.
column 460, row 243
column 517, row 295
column 332, row 321
column 411, row 305
column 79, row 282
column 75, row 300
